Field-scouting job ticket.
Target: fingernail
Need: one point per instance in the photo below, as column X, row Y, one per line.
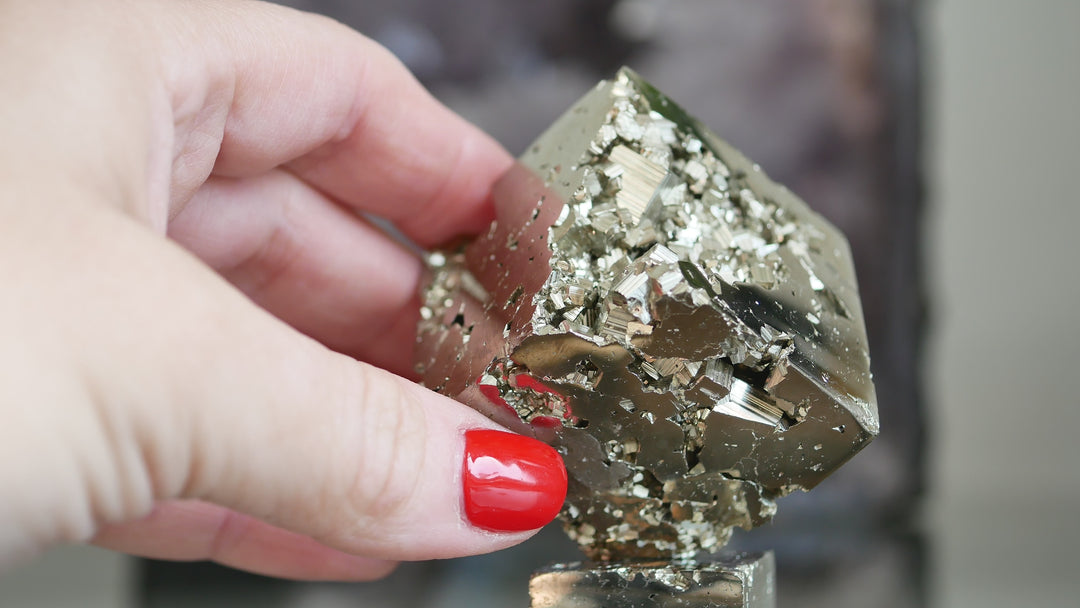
column 511, row 482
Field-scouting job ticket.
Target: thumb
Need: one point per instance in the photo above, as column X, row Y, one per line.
column 207, row 397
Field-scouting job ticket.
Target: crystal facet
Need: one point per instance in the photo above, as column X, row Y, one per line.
column 685, row 331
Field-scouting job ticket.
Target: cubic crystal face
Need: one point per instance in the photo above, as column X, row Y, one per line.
column 685, row 331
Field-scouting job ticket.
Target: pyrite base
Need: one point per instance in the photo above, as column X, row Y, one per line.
column 743, row 581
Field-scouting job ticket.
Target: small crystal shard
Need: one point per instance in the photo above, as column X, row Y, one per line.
column 686, row 332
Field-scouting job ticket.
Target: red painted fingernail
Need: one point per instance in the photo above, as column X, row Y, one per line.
column 511, row 482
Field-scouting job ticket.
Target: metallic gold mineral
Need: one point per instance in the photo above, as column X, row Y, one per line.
column 685, row 331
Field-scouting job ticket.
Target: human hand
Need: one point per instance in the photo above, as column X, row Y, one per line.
column 187, row 281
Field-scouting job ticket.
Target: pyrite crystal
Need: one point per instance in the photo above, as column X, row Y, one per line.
column 685, row 331
column 742, row 582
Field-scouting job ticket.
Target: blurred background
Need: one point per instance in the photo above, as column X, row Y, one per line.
column 943, row 138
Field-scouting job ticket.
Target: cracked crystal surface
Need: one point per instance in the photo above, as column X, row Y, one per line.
column 686, row 332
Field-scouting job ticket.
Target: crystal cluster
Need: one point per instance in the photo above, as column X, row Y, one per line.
column 744, row 581
column 686, row 332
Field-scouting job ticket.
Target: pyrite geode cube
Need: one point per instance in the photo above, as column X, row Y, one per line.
column 687, row 332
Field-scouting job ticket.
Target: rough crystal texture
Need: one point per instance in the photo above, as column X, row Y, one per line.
column 687, row 332
column 745, row 581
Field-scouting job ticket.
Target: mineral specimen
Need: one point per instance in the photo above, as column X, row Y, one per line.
column 744, row 581
column 686, row 332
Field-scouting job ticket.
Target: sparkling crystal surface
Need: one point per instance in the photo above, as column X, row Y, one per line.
column 744, row 581
column 685, row 331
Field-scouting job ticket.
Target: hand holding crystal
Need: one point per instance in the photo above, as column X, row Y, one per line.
column 190, row 283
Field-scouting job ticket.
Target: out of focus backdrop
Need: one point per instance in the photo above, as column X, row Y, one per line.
column 944, row 138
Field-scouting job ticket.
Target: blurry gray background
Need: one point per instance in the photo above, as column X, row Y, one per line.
column 1003, row 143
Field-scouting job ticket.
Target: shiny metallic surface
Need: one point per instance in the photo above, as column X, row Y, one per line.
column 686, row 332
column 744, row 581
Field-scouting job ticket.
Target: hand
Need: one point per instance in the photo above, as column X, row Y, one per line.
column 188, row 284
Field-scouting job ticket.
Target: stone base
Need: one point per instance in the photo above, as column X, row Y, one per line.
column 742, row 581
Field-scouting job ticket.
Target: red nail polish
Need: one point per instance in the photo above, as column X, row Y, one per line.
column 511, row 482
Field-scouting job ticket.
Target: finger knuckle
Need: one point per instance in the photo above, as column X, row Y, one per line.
column 392, row 450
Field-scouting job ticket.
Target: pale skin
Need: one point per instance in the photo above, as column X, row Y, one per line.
column 202, row 341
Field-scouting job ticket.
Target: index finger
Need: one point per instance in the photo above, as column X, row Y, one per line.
column 339, row 111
